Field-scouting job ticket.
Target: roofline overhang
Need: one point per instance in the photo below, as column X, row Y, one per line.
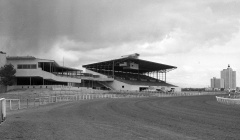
column 110, row 62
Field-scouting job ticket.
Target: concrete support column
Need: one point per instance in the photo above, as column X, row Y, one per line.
column 165, row 75
column 113, row 69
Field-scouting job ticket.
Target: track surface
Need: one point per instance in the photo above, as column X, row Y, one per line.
column 199, row 117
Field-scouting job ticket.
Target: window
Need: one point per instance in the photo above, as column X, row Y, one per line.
column 39, row 64
column 122, row 86
column 33, row 66
column 19, row 66
column 27, row 66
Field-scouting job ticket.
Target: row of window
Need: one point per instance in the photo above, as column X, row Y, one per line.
column 27, row 66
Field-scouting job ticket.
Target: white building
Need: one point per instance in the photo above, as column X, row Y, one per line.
column 217, row 83
column 34, row 71
column 229, row 77
column 129, row 73
column 126, row 73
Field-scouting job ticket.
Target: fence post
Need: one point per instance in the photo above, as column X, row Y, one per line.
column 10, row 104
column 19, row 104
column 4, row 108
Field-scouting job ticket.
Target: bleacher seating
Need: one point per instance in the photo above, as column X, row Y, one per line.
column 134, row 77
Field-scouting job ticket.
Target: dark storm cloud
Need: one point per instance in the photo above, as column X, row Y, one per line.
column 87, row 31
column 36, row 25
column 31, row 24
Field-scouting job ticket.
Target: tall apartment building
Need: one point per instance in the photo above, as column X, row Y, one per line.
column 229, row 77
column 217, row 83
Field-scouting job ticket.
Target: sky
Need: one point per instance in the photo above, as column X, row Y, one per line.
column 200, row 38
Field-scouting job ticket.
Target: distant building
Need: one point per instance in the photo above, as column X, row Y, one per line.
column 237, row 88
column 229, row 77
column 2, row 59
column 2, row 63
column 217, row 83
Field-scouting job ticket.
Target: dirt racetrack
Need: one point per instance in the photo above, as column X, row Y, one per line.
column 199, row 117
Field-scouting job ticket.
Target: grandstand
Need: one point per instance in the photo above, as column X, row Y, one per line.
column 132, row 74
column 128, row 73
column 32, row 72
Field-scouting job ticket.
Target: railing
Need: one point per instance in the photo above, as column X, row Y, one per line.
column 228, row 101
column 71, row 76
column 162, row 94
column 2, row 109
column 16, row 104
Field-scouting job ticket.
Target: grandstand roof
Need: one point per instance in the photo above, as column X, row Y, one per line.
column 21, row 58
column 144, row 65
column 46, row 65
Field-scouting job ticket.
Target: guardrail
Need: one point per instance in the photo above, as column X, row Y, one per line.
column 2, row 109
column 228, row 101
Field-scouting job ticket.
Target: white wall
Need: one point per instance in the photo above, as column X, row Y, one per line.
column 45, row 75
column 117, row 85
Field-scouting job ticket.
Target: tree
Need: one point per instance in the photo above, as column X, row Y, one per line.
column 7, row 75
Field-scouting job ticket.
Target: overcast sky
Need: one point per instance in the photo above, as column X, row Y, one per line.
column 199, row 37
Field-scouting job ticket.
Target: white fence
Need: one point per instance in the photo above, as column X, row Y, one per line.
column 229, row 101
column 2, row 109
column 59, row 96
column 53, row 87
column 16, row 104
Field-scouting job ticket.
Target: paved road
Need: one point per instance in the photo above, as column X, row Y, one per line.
column 199, row 117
